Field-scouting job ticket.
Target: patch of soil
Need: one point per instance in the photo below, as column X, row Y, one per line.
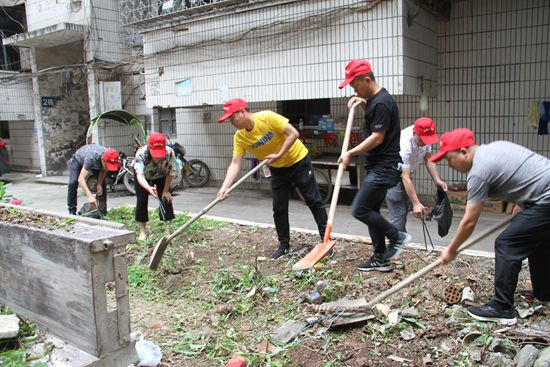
column 31, row 219
column 194, row 325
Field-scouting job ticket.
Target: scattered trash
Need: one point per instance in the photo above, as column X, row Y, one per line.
column 149, row 353
column 350, row 319
column 265, row 347
column 468, row 296
column 427, row 360
column 383, row 309
column 214, row 320
column 236, row 361
column 399, row 359
column 314, row 298
column 262, row 258
column 410, row 312
column 452, row 294
column 9, row 326
column 16, row 202
column 157, row 325
column 408, row 334
column 393, row 318
column 318, row 266
column 288, row 331
column 270, row 290
column 524, row 310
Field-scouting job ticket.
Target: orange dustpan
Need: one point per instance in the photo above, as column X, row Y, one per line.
column 322, row 249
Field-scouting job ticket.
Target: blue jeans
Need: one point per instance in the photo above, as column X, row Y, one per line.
column 396, row 200
column 72, row 189
column 366, row 206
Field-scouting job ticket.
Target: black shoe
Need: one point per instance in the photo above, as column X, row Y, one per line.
column 375, row 263
column 72, row 211
column 282, row 250
column 396, row 248
column 487, row 312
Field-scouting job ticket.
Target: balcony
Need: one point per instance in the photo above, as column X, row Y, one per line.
column 147, row 13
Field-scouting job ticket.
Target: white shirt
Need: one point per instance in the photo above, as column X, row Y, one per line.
column 410, row 152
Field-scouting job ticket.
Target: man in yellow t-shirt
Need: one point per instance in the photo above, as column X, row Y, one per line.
column 268, row 135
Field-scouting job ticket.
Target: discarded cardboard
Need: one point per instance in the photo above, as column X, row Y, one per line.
column 288, row 331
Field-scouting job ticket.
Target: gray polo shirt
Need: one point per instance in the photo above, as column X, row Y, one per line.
column 510, row 172
column 89, row 157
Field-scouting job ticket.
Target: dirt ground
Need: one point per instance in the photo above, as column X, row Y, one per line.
column 217, row 293
column 197, row 323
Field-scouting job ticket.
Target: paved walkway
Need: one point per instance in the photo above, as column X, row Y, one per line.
column 243, row 206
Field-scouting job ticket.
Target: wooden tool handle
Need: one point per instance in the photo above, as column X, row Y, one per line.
column 337, row 184
column 402, row 284
column 209, row 206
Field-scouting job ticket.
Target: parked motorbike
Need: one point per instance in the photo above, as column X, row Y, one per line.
column 124, row 175
column 194, row 172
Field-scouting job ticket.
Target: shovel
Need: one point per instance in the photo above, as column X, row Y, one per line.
column 364, row 306
column 322, row 249
column 163, row 243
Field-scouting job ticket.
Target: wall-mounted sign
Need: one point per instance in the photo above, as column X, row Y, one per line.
column 184, row 87
column 49, row 102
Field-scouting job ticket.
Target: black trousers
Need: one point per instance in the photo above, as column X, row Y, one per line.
column 300, row 175
column 72, row 189
column 142, row 195
column 366, row 205
column 527, row 237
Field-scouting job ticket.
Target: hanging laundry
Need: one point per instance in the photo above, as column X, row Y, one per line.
column 533, row 115
column 544, row 117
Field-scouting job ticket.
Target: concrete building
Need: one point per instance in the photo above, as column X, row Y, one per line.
column 477, row 64
column 78, row 62
column 465, row 63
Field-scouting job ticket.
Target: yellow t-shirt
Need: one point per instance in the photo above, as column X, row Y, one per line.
column 267, row 137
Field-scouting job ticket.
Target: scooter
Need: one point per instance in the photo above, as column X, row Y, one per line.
column 194, row 172
column 5, row 166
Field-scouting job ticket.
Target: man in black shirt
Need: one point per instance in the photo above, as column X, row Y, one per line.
column 381, row 149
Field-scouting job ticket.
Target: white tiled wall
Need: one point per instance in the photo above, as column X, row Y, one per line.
column 45, row 13
column 291, row 51
column 16, row 101
column 23, row 145
column 493, row 61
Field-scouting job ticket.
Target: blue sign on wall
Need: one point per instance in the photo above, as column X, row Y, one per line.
column 49, row 102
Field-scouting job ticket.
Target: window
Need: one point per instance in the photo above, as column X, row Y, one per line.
column 4, row 130
column 13, row 22
column 167, row 121
column 309, row 110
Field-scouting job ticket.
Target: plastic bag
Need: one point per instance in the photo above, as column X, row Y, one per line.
column 149, row 353
column 442, row 213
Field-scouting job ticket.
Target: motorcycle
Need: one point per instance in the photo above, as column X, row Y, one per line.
column 194, row 172
column 124, row 175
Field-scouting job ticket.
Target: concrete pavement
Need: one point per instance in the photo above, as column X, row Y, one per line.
column 243, row 206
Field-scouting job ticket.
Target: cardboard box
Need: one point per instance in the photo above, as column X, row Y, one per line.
column 494, row 206
column 457, row 197
column 509, row 207
column 458, row 208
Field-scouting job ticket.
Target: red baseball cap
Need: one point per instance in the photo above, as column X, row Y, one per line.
column 111, row 159
column 425, row 128
column 454, row 140
column 232, row 106
column 157, row 145
column 355, row 68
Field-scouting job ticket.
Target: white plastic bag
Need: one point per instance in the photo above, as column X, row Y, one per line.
column 149, row 353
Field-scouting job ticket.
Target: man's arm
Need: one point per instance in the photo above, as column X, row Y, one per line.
column 230, row 176
column 100, row 180
column 418, row 209
column 291, row 136
column 432, row 169
column 463, row 232
column 82, row 182
column 374, row 140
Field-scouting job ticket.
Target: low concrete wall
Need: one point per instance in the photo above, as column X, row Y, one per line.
column 70, row 278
